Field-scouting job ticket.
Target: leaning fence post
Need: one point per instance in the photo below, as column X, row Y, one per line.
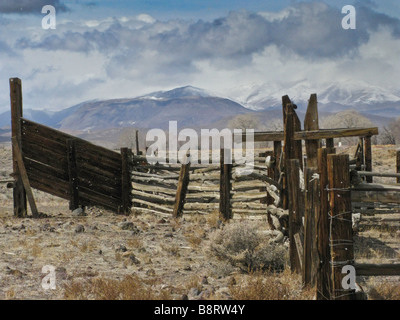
column 72, row 174
column 19, row 194
column 24, row 178
column 225, row 207
column 126, row 184
column 341, row 232
column 181, row 190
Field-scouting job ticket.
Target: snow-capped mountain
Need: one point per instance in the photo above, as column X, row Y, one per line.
column 333, row 98
column 189, row 106
column 182, row 92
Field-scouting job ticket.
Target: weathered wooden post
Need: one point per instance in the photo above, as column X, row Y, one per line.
column 292, row 149
column 24, row 178
column 72, row 175
column 295, row 215
column 277, row 156
column 311, row 123
column 323, row 279
column 289, row 152
column 137, row 142
column 330, row 143
column 312, row 208
column 341, row 232
column 181, row 190
column 126, row 184
column 368, row 157
column 225, row 207
column 398, row 164
column 360, row 154
column 270, row 173
column 19, row 194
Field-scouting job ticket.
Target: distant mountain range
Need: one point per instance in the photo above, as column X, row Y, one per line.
column 337, row 97
column 196, row 108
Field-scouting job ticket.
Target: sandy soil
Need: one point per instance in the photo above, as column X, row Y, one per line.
column 104, row 245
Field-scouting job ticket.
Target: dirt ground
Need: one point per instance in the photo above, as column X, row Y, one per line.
column 173, row 254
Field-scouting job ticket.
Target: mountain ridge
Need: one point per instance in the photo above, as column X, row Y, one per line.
column 195, row 107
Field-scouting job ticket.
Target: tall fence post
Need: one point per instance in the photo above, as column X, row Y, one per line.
column 323, row 278
column 19, row 194
column 181, row 190
column 311, row 211
column 126, row 184
column 295, row 214
column 341, row 232
column 289, row 151
column 72, row 174
column 311, row 123
column 225, row 207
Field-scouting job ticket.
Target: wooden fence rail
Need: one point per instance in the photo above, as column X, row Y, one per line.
column 66, row 166
column 89, row 175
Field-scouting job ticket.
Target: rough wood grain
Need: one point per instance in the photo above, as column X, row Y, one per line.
column 295, row 213
column 24, row 177
column 181, row 190
column 311, row 123
column 19, row 194
column 312, row 208
column 341, row 243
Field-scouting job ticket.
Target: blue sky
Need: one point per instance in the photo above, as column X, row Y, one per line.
column 206, row 9
column 119, row 48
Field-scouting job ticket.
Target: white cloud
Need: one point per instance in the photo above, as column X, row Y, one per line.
column 129, row 56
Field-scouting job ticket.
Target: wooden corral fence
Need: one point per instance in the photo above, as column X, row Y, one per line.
column 64, row 166
column 320, row 191
column 321, row 210
column 183, row 189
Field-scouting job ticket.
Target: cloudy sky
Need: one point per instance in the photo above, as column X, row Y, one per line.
column 119, row 48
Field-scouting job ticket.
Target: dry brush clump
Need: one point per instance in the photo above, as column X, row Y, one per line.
column 244, row 245
column 271, row 286
column 129, row 288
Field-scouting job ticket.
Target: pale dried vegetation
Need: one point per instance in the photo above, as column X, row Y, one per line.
column 168, row 258
column 271, row 286
column 129, row 288
column 244, row 245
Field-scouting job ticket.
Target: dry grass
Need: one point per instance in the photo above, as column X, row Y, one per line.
column 243, row 245
column 193, row 282
column 384, row 291
column 271, row 286
column 130, row 288
column 195, row 237
column 213, row 219
column 10, row 294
